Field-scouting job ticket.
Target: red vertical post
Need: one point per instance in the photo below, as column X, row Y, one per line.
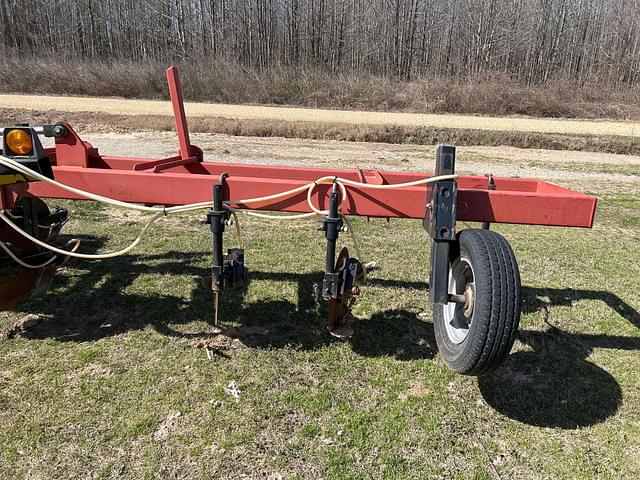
column 10, row 193
column 177, row 102
column 6, row 198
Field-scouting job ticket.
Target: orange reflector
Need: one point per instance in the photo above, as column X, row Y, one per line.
column 19, row 142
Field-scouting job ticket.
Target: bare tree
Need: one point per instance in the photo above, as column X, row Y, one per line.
column 534, row 41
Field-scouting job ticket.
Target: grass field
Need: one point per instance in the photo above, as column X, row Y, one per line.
column 109, row 383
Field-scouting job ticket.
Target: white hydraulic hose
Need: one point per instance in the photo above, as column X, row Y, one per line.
column 7, row 162
column 356, row 244
column 295, row 216
column 268, row 198
column 341, row 183
column 12, row 164
column 24, row 264
column 85, row 256
column 310, row 187
column 325, row 180
column 164, row 211
column 20, row 217
column 413, row 183
column 159, row 212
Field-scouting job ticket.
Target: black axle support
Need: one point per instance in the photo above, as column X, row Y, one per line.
column 440, row 222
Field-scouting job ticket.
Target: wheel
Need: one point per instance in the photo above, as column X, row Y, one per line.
column 474, row 337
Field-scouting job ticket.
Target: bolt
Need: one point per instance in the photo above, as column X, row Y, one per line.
column 59, row 130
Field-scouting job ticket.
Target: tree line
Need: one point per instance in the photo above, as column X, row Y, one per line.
column 533, row 41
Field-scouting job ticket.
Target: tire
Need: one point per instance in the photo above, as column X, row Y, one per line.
column 475, row 338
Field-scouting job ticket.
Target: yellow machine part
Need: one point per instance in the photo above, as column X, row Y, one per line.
column 11, row 178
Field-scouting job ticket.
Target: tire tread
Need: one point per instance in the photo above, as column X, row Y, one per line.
column 496, row 320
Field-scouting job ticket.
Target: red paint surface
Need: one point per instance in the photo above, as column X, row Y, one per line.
column 515, row 200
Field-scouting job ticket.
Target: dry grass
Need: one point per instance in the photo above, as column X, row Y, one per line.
column 423, row 135
column 228, row 83
column 117, row 106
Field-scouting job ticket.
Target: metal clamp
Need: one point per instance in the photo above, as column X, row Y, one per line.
column 217, row 218
column 332, row 225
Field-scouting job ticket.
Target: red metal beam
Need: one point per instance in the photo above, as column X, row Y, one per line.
column 175, row 92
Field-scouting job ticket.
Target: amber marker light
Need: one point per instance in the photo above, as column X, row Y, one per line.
column 19, row 142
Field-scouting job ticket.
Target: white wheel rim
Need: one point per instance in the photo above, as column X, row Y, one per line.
column 458, row 317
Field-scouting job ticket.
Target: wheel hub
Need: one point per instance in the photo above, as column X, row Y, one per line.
column 468, row 302
column 459, row 315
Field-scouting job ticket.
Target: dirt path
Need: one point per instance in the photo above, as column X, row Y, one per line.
column 586, row 171
column 150, row 107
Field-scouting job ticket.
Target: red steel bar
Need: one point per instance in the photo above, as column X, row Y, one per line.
column 175, row 92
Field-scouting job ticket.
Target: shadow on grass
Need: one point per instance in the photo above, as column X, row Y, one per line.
column 552, row 384
column 95, row 305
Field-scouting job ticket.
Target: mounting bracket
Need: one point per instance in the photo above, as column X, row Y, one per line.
column 440, row 222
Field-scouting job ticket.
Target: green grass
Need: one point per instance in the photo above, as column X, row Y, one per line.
column 87, row 392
